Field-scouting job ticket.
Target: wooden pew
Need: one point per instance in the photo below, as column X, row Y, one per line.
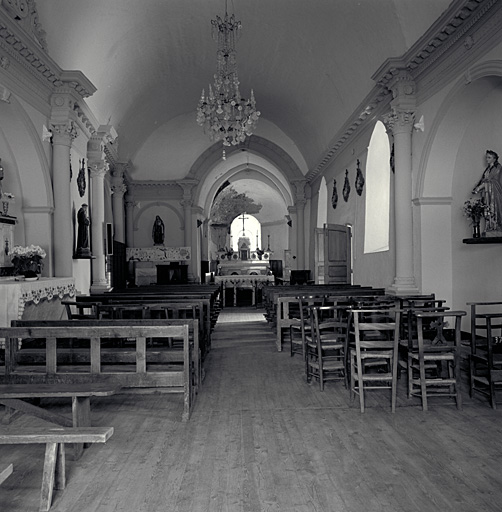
column 207, row 319
column 14, row 396
column 177, row 377
column 179, row 309
column 80, row 356
column 273, row 293
column 54, row 474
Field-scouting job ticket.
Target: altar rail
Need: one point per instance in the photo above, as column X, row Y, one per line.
column 240, row 281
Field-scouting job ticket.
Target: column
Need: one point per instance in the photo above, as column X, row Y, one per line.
column 299, row 225
column 63, row 135
column 400, row 121
column 293, row 236
column 129, row 210
column 119, row 189
column 99, row 280
column 300, row 233
column 187, row 203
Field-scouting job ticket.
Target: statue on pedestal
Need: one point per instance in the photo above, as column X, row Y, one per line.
column 158, row 231
column 83, row 250
column 490, row 189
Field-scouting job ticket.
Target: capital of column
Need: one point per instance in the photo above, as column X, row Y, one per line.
column 299, row 189
column 119, row 190
column 64, row 133
column 130, row 205
column 187, row 186
column 186, row 203
column 98, row 169
column 399, row 121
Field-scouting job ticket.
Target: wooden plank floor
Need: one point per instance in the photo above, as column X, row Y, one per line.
column 261, row 439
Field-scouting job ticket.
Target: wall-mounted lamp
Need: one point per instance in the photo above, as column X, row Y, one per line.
column 289, row 220
column 199, row 223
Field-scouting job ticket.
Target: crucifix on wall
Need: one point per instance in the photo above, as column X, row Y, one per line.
column 243, row 228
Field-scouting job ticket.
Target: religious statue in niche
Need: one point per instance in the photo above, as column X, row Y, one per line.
column 346, row 186
column 83, row 222
column 359, row 179
column 158, row 231
column 490, row 189
column 81, row 178
column 334, row 196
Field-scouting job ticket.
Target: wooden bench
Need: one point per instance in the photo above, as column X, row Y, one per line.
column 5, row 473
column 54, row 474
column 177, row 378
column 103, row 302
column 14, row 397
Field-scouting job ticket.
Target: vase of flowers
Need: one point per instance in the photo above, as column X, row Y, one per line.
column 475, row 210
column 27, row 261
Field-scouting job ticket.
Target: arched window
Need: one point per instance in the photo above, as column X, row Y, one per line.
column 377, row 215
column 322, row 205
column 251, row 228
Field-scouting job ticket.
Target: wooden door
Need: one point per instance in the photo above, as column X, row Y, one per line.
column 319, row 256
column 337, row 257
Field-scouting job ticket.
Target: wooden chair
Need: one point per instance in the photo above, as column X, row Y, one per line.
column 409, row 333
column 326, row 345
column 485, row 361
column 374, row 352
column 300, row 312
column 433, row 350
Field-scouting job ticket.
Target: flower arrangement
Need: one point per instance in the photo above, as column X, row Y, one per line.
column 475, row 209
column 28, row 252
column 8, row 195
column 27, row 260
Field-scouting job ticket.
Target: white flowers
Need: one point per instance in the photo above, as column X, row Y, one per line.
column 8, row 195
column 27, row 252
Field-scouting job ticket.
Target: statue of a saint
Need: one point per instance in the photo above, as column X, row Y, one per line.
column 83, row 232
column 490, row 189
column 158, row 231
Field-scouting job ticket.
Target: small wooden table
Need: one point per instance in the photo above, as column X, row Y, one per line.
column 14, row 396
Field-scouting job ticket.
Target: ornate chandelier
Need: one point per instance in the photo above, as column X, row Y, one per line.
column 223, row 113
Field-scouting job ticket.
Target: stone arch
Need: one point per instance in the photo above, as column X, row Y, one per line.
column 263, row 147
column 448, row 127
column 257, row 172
column 439, row 192
column 26, row 157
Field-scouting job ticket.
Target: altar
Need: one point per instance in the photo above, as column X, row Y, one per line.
column 32, row 300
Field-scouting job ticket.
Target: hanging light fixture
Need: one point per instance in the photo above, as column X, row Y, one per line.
column 223, row 113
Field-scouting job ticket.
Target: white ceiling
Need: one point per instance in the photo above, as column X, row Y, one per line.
column 309, row 61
